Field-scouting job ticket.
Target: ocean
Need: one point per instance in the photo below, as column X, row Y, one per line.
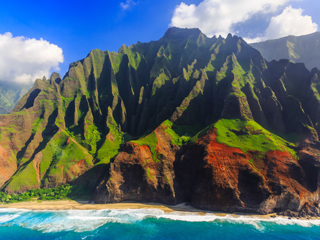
column 148, row 224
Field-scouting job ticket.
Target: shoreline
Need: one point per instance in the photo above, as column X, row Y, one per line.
column 85, row 205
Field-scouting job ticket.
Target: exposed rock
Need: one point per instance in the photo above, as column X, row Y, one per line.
column 242, row 135
column 136, row 175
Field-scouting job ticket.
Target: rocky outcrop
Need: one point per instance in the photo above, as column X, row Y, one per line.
column 212, row 176
column 138, row 175
column 184, row 118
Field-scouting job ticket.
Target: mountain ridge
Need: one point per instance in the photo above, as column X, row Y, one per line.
column 185, row 118
column 304, row 49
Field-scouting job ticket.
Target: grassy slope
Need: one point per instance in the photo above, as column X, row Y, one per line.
column 111, row 145
column 151, row 141
column 57, row 158
column 180, row 135
column 249, row 135
column 94, row 144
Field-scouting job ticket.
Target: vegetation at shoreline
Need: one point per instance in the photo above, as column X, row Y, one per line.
column 58, row 193
column 157, row 120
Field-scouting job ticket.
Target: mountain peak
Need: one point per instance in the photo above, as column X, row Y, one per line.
column 55, row 77
column 175, row 32
column 193, row 105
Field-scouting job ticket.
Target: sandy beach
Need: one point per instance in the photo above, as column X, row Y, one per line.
column 82, row 205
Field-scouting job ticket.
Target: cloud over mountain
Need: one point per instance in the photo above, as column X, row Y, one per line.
column 290, row 22
column 22, row 59
column 220, row 17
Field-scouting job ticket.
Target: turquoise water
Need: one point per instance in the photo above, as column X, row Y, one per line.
column 147, row 224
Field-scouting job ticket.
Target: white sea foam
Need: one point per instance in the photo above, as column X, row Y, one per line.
column 10, row 210
column 88, row 236
column 8, row 217
column 88, row 220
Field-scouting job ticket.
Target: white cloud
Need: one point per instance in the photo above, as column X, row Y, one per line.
column 127, row 4
column 219, row 17
column 22, row 60
column 290, row 22
column 254, row 40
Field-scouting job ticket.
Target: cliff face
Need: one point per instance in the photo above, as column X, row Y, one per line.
column 185, row 118
column 262, row 174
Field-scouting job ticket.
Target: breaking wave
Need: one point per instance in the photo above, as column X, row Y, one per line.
column 88, row 220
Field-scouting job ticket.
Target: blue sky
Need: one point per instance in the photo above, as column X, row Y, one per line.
column 76, row 27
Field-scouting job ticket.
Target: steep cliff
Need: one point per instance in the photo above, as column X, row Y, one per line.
column 184, row 118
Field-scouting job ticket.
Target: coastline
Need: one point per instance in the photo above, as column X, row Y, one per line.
column 80, row 220
column 85, row 205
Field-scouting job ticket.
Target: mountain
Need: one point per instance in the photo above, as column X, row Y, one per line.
column 10, row 93
column 300, row 49
column 186, row 118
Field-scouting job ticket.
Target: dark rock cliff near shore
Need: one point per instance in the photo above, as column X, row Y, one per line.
column 184, row 118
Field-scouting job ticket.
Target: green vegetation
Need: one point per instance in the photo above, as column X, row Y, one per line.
column 18, row 181
column 249, row 135
column 221, row 74
column 59, row 155
column 150, row 176
column 297, row 49
column 168, row 180
column 66, row 102
column 151, row 141
column 115, row 59
column 108, row 150
column 159, row 82
column 241, row 77
column 200, row 134
column 111, row 145
column 66, row 153
column 36, row 124
column 63, row 192
column 92, row 138
column 185, row 77
column 176, row 138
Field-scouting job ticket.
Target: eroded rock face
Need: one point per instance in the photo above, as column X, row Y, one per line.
column 235, row 182
column 224, row 178
column 7, row 168
column 211, row 176
column 137, row 175
column 138, row 125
